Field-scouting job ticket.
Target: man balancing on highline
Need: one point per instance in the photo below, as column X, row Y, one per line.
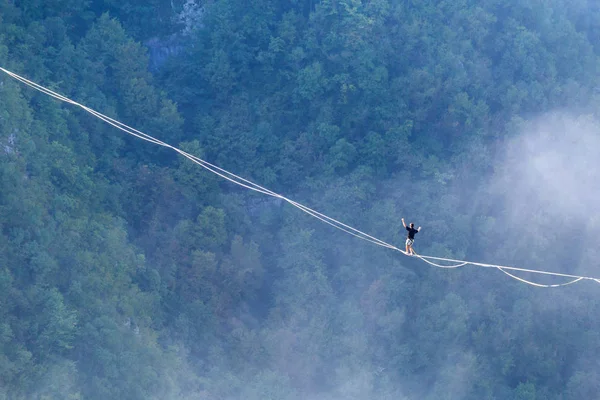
column 411, row 237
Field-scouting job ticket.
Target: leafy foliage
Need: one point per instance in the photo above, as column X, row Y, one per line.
column 126, row 272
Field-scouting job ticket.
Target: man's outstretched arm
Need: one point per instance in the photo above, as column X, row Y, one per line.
column 403, row 223
column 419, row 229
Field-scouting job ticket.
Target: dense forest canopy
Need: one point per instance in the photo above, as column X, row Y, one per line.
column 129, row 273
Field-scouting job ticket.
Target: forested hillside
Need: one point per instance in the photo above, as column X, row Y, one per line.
column 128, row 272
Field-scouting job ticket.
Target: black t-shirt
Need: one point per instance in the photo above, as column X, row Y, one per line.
column 411, row 232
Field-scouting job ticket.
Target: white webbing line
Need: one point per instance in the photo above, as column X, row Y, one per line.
column 539, row 284
column 138, row 134
column 335, row 223
column 478, row 264
column 442, row 266
column 210, row 167
column 502, row 269
column 255, row 187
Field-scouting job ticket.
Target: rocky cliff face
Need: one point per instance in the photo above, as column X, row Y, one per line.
column 160, row 49
column 190, row 19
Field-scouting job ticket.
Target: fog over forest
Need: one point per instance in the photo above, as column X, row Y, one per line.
column 129, row 272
